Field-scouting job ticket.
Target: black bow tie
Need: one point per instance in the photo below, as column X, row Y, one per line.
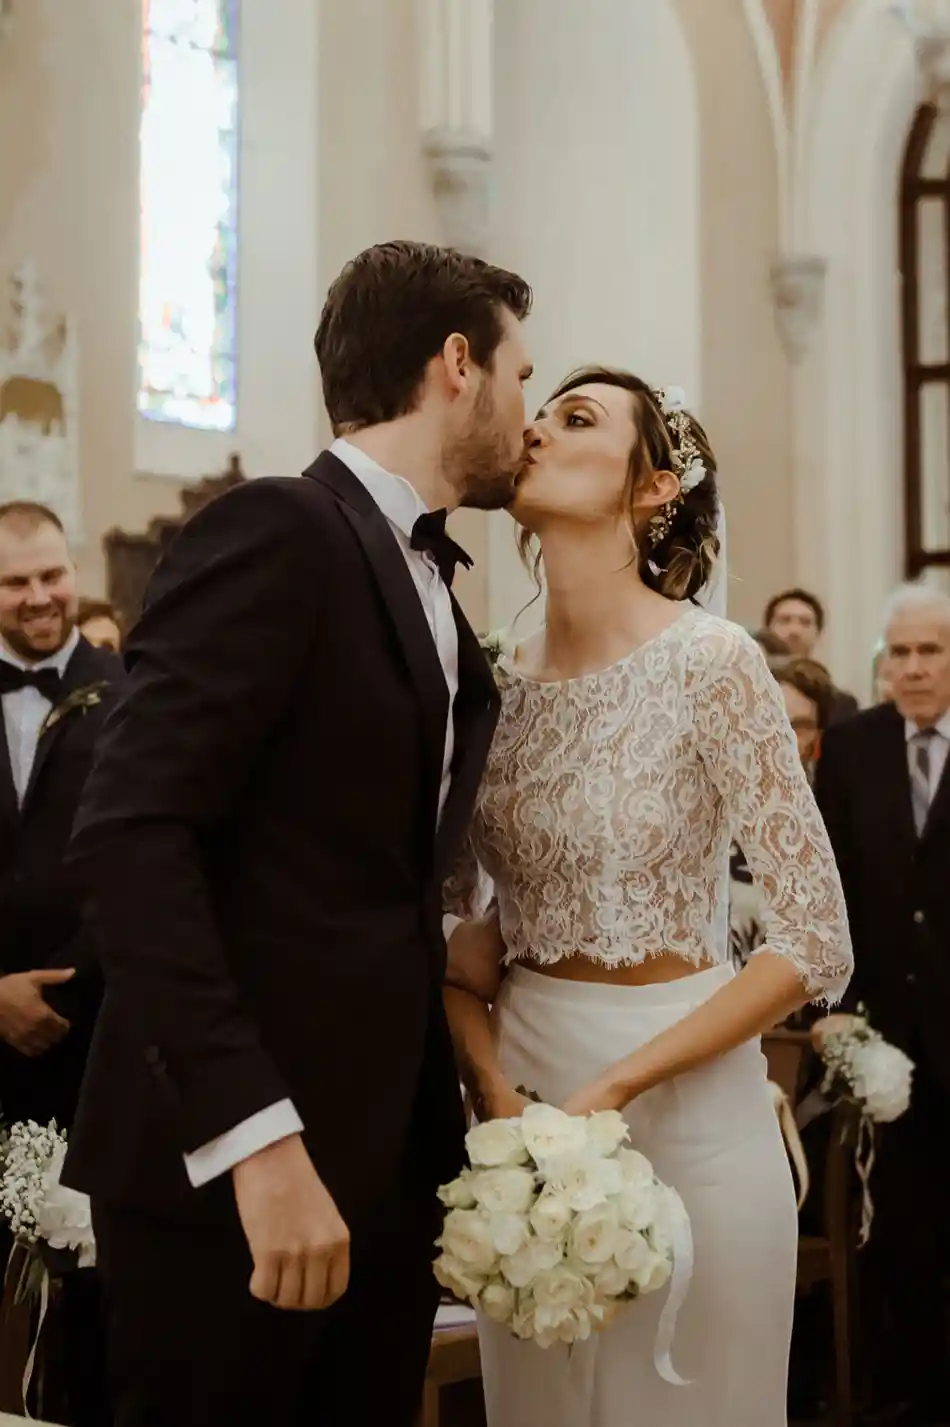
column 48, row 681
column 428, row 534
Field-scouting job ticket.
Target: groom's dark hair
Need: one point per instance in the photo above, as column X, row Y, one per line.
column 390, row 312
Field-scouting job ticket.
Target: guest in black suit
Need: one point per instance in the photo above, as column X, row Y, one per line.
column 884, row 787
column 272, row 1098
column 54, row 690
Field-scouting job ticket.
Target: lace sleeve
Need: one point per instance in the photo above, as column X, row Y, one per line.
column 468, row 890
column 749, row 750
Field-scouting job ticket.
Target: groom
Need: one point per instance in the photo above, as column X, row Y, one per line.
column 271, row 1099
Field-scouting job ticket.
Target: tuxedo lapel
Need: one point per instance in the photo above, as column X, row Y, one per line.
column 404, row 609
column 940, row 806
column 82, row 669
column 893, row 774
column 476, row 714
column 9, row 807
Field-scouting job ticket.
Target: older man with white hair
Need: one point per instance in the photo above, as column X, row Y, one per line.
column 883, row 785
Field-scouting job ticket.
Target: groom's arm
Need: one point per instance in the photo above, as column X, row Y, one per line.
column 229, row 627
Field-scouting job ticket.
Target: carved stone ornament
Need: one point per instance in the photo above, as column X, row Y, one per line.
column 39, row 448
column 798, row 287
column 460, row 164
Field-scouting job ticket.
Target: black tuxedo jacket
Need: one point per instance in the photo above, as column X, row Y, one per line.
column 259, row 836
column 41, row 902
column 895, row 883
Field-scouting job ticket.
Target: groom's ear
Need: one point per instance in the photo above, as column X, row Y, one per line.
column 457, row 360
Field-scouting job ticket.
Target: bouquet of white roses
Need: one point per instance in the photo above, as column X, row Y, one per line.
column 557, row 1225
column 863, row 1068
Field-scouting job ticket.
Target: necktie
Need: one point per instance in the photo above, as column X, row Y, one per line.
column 920, row 774
column 12, row 679
column 429, row 534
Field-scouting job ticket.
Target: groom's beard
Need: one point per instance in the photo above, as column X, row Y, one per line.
column 480, row 464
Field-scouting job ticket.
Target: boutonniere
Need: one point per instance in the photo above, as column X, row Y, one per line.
column 86, row 698
column 496, row 644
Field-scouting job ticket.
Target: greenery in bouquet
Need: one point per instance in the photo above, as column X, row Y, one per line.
column 557, row 1224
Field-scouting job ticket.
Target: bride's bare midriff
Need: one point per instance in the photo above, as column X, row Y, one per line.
column 655, row 969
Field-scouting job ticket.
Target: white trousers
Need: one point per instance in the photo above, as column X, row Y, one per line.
column 713, row 1134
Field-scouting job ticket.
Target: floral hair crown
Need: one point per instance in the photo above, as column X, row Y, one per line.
column 687, row 460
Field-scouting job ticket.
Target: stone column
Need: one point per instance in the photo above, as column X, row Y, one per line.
column 457, row 114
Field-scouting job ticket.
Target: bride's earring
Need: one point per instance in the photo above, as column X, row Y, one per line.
column 659, row 525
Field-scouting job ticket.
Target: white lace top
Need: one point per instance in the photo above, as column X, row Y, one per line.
column 605, row 814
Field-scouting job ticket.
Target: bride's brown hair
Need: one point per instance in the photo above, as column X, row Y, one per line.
column 681, row 563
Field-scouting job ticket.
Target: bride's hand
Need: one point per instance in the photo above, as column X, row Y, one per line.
column 475, row 951
column 602, row 1094
column 501, row 1103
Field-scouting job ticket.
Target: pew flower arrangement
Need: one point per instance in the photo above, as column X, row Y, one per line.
column 864, row 1070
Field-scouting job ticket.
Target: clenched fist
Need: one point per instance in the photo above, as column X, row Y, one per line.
column 298, row 1241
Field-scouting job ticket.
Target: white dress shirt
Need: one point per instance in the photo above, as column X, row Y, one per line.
column 939, row 747
column 402, row 507
column 25, row 710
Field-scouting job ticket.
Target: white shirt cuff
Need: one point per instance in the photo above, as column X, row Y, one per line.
column 219, row 1156
column 449, row 923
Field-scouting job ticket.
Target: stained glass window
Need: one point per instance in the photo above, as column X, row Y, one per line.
column 189, row 213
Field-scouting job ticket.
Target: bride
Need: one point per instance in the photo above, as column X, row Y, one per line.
column 637, row 732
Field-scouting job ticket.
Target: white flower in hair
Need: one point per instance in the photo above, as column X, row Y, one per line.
column 693, row 476
column 672, row 399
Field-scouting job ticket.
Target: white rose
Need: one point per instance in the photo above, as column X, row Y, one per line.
column 453, row 1275
column 674, row 399
column 635, row 1166
column 639, row 1204
column 498, row 1302
column 458, row 1194
column 64, row 1216
column 606, row 1131
column 466, row 1236
column 882, row 1079
column 495, row 1143
column 594, row 1235
column 550, row 1134
column 648, row 1270
column 504, row 1191
column 509, row 1233
column 537, row 1256
column 612, row 1281
column 550, row 1214
column 561, row 1287
column 585, row 1180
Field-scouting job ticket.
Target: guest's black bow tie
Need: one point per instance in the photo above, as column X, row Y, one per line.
column 428, row 534
column 48, row 681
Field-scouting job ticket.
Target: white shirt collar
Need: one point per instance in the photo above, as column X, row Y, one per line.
column 942, row 726
column 396, row 498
